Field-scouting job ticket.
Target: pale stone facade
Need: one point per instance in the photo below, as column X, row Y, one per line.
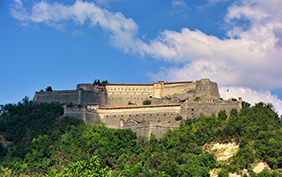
column 169, row 99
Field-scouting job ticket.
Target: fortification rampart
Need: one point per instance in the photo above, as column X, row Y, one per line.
column 169, row 99
column 57, row 96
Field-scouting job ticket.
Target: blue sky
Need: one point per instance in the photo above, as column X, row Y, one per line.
column 61, row 43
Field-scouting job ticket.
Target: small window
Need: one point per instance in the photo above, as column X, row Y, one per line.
column 118, row 88
column 192, row 109
column 164, row 114
column 143, row 114
column 125, row 88
column 144, row 89
column 151, row 115
column 178, row 114
column 111, row 88
column 133, row 89
column 157, row 85
column 129, row 115
column 134, row 98
column 140, row 89
column 107, row 116
column 151, row 89
column 127, row 97
column 114, row 115
column 141, row 98
column 136, row 115
column 121, row 115
column 113, row 92
column 191, row 113
column 112, row 97
column 114, row 88
column 119, row 97
column 121, row 88
column 157, row 114
column 129, row 89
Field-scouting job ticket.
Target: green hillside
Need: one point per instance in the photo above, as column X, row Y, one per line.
column 47, row 144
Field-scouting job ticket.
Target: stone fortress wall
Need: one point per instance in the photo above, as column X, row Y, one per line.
column 84, row 94
column 169, row 99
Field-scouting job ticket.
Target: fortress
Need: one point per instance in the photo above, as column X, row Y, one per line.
column 110, row 104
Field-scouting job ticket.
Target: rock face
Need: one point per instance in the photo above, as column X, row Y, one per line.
column 4, row 142
column 224, row 151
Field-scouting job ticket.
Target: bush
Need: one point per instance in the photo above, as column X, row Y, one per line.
column 70, row 104
column 197, row 99
column 130, row 103
column 178, row 118
column 147, row 102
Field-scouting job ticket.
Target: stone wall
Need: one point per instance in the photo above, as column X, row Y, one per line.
column 82, row 97
column 75, row 112
column 156, row 128
column 195, row 109
column 150, row 113
column 206, row 88
column 57, row 96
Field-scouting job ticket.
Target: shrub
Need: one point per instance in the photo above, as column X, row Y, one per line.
column 197, row 99
column 147, row 102
column 70, row 104
column 178, row 118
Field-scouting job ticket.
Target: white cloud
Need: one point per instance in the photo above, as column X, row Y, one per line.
column 175, row 3
column 252, row 96
column 122, row 31
column 250, row 57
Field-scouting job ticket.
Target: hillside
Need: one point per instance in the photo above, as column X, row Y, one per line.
column 46, row 144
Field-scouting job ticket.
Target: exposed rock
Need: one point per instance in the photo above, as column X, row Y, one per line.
column 260, row 166
column 4, row 142
column 223, row 151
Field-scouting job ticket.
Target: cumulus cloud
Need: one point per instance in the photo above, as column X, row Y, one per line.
column 252, row 96
column 250, row 56
column 122, row 31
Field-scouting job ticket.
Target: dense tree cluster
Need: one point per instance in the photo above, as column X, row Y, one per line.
column 47, row 144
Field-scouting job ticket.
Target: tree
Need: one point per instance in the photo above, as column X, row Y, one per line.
column 95, row 82
column 177, row 118
column 147, row 102
column 104, row 83
column 245, row 104
column 49, row 88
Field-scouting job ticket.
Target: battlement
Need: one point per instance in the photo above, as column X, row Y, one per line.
column 109, row 104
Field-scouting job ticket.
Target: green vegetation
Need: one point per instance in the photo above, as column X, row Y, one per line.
column 197, row 99
column 44, row 143
column 103, row 83
column 178, row 118
column 49, row 89
column 147, row 102
column 130, row 103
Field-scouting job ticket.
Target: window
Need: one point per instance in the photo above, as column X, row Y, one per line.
column 151, row 89
column 144, row 89
column 118, row 88
column 151, row 115
column 121, row 115
column 129, row 115
column 114, row 88
column 121, row 88
column 143, row 114
column 119, row 97
column 113, row 92
column 125, row 88
column 112, row 97
column 133, row 89
column 136, row 115
column 111, row 88
column 157, row 114
column 164, row 114
column 107, row 116
column 129, row 89
column 192, row 109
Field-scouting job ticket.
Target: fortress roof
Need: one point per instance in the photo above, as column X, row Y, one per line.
column 149, row 84
column 136, row 106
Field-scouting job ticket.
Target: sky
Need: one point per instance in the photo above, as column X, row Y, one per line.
column 61, row 43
